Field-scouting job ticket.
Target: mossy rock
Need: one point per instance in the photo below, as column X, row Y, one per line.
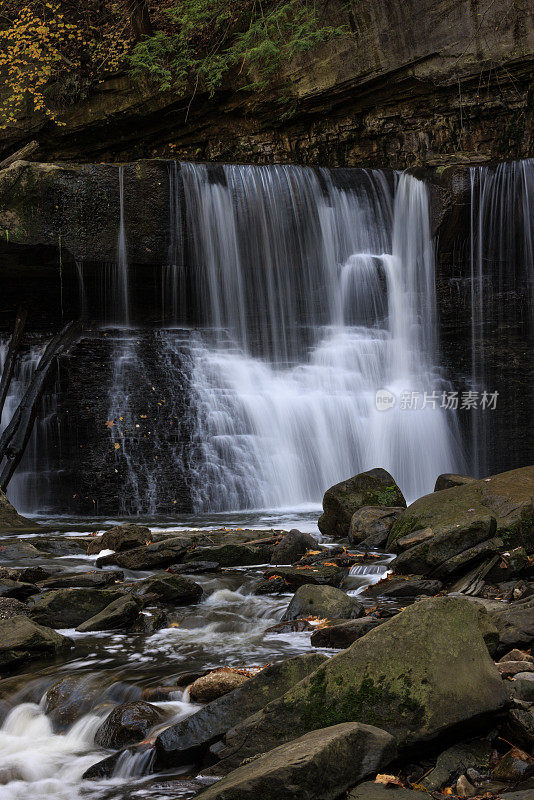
column 508, row 497
column 10, row 520
column 376, row 487
column 397, row 677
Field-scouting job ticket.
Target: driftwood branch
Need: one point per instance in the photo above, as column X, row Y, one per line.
column 11, row 358
column 16, row 435
column 21, row 155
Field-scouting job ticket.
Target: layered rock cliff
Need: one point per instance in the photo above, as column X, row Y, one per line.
column 417, row 82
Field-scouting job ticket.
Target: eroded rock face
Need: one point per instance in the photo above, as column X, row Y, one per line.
column 303, row 769
column 408, row 690
column 373, row 488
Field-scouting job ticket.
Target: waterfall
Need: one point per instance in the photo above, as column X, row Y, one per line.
column 317, row 290
column 502, row 272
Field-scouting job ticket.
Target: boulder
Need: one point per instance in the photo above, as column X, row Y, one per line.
column 449, row 480
column 273, row 585
column 513, row 767
column 507, row 497
column 11, row 521
column 514, row 623
column 186, row 740
column 89, row 580
column 10, row 608
column 22, row 640
column 17, row 589
column 510, row 565
column 523, row 686
column 292, row 546
column 291, row 626
column 68, row 608
column 127, row 724
column 228, row 555
column 520, row 727
column 121, row 537
column 121, row 613
column 19, row 550
column 166, row 588
column 342, row 634
column 215, row 684
column 151, row 556
column 329, row 575
column 375, row 487
column 25, row 574
column 446, row 542
column 397, row 677
column 407, row 586
column 372, row 524
column 323, row 763
column 325, row 602
column 68, row 699
column 467, row 559
column 454, row 761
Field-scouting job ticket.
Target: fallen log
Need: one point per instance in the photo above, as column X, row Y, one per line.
column 17, row 433
column 11, row 358
column 21, row 155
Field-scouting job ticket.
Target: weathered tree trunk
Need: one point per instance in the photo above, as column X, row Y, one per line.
column 140, row 19
column 20, row 155
column 15, row 437
column 12, row 352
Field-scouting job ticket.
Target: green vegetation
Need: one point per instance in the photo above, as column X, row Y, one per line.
column 212, row 37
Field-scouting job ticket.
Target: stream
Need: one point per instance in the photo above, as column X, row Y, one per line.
column 228, row 627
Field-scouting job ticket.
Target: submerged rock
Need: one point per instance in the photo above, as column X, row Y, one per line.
column 370, row 525
column 376, row 487
column 68, row 608
column 128, row 723
column 216, row 684
column 292, row 546
column 407, row 688
column 22, row 640
column 68, row 699
column 121, row 537
column 321, row 764
column 325, row 602
column 188, row 739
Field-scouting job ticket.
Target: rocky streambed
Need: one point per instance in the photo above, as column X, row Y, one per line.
column 387, row 653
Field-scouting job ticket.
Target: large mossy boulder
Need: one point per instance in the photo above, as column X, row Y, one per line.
column 23, row 640
column 376, row 487
column 189, row 738
column 422, row 672
column 508, row 497
column 11, row 521
column 322, row 764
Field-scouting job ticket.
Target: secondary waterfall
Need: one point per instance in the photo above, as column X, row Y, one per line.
column 502, row 272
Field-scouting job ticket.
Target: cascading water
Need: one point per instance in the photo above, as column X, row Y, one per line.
column 319, row 294
column 502, row 267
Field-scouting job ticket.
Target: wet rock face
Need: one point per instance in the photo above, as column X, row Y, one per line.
column 68, row 699
column 127, row 724
column 121, row 537
column 373, row 488
column 68, row 608
column 407, row 690
column 22, row 640
column 302, row 769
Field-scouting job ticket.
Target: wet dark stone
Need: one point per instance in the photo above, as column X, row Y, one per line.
column 128, row 723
